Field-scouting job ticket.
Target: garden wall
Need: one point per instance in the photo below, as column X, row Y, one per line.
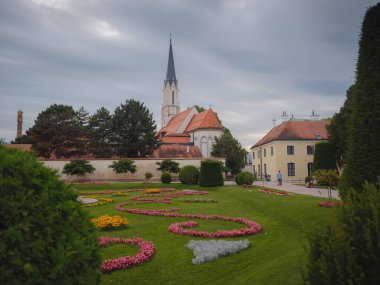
column 104, row 173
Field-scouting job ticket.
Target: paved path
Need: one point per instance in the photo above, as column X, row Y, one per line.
column 296, row 189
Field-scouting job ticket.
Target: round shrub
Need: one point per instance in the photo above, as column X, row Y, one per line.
column 166, row 177
column 211, row 173
column 244, row 178
column 189, row 175
column 46, row 237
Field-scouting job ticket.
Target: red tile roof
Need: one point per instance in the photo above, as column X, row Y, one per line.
column 296, row 130
column 176, row 138
column 204, row 120
column 175, row 122
column 176, row 151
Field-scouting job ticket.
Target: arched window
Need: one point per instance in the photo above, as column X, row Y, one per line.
column 173, row 97
column 204, row 147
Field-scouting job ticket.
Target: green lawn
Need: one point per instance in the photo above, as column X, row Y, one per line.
column 276, row 255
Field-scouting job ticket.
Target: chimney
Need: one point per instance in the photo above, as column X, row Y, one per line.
column 314, row 116
column 19, row 124
column 274, row 123
column 284, row 116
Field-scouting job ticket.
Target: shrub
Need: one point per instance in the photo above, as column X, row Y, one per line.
column 308, row 179
column 347, row 251
column 244, row 178
column 123, row 166
column 189, row 175
column 324, row 156
column 168, row 165
column 166, row 177
column 327, row 178
column 211, row 173
column 46, row 238
column 78, row 167
column 148, row 176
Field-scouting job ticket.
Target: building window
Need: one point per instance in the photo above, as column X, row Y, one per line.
column 290, row 149
column 253, row 169
column 259, row 153
column 265, row 152
column 172, row 97
column 265, row 169
column 253, row 155
column 310, row 149
column 291, row 169
column 309, row 169
column 259, row 170
column 271, row 151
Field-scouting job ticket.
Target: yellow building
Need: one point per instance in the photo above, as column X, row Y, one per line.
column 289, row 148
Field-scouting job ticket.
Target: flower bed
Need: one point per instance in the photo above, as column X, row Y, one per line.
column 106, row 222
column 145, row 253
column 272, row 192
column 197, row 200
column 177, row 228
column 100, row 201
column 120, row 194
column 247, row 186
column 330, row 204
column 152, row 190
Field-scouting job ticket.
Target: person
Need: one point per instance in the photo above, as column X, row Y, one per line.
column 279, row 178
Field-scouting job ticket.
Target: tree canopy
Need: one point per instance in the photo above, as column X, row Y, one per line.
column 99, row 134
column 228, row 147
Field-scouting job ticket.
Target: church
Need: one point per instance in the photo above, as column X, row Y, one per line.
column 187, row 133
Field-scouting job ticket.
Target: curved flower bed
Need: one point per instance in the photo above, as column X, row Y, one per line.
column 197, row 200
column 330, row 204
column 106, row 222
column 145, row 253
column 100, row 201
column 272, row 192
column 152, row 190
column 177, row 228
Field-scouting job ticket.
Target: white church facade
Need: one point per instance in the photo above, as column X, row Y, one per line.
column 194, row 131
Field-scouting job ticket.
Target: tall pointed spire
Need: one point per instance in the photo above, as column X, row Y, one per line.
column 170, row 74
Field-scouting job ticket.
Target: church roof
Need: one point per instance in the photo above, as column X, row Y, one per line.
column 204, row 120
column 170, row 73
column 176, row 139
column 175, row 122
column 176, row 151
column 297, row 130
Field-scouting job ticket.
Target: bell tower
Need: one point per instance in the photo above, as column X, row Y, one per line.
column 170, row 106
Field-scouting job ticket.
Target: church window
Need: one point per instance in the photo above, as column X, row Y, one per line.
column 204, row 149
column 172, row 97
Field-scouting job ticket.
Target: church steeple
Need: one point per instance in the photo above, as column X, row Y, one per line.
column 170, row 73
column 170, row 106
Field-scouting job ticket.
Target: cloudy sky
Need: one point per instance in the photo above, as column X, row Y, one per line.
column 247, row 59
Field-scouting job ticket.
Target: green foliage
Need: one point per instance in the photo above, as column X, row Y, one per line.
column 59, row 131
column 123, row 166
column 168, row 165
column 324, row 156
column 46, row 238
column 327, row 178
column 134, row 130
column 244, row 178
column 100, row 134
column 339, row 126
column 189, row 175
column 24, row 139
column 347, row 251
column 148, row 175
column 362, row 160
column 228, row 147
column 78, row 167
column 308, row 179
column 211, row 173
column 166, row 177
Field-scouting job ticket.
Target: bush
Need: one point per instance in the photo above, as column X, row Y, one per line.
column 148, row 176
column 166, row 177
column 211, row 173
column 244, row 178
column 78, row 167
column 168, row 165
column 123, row 166
column 308, row 179
column 46, row 238
column 347, row 251
column 189, row 175
column 324, row 156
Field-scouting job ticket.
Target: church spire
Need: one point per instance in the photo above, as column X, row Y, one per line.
column 170, row 74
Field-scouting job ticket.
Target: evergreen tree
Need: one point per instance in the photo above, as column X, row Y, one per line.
column 228, row 147
column 338, row 128
column 363, row 147
column 134, row 130
column 324, row 156
column 99, row 133
column 58, row 131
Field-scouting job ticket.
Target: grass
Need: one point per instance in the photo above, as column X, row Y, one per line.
column 276, row 255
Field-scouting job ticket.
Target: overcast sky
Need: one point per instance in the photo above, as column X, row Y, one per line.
column 247, row 59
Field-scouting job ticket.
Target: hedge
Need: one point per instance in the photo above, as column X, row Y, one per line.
column 211, row 174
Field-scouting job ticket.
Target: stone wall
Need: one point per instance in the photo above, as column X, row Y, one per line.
column 104, row 173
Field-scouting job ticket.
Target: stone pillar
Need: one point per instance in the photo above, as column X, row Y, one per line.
column 19, row 124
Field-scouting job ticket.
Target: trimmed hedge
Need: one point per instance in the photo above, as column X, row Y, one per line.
column 46, row 237
column 324, row 156
column 189, row 175
column 211, row 174
column 244, row 178
column 166, row 177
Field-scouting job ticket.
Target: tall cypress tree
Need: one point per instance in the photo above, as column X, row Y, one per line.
column 363, row 154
